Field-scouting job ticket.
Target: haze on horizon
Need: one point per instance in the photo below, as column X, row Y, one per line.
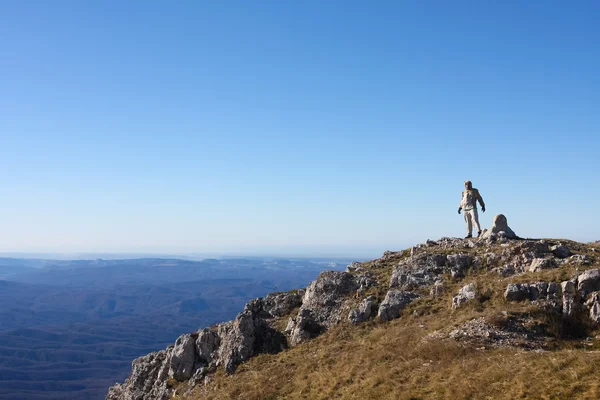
column 306, row 128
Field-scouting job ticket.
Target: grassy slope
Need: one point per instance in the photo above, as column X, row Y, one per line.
column 393, row 361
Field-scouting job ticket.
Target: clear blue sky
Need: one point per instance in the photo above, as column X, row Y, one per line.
column 293, row 127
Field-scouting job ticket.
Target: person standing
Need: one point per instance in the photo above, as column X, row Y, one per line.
column 468, row 204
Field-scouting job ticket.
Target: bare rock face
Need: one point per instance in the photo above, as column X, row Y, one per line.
column 465, row 294
column 395, row 301
column 500, row 225
column 148, row 379
column 322, row 304
column 593, row 304
column 207, row 344
column 539, row 264
column 459, row 264
column 532, row 291
column 249, row 334
column 420, row 270
column 589, row 281
column 183, row 358
column 364, row 311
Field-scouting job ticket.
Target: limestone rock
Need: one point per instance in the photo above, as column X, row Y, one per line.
column 207, row 344
column 395, row 301
column 589, row 281
column 364, row 311
column 569, row 299
column 560, row 251
column 322, row 304
column 539, row 264
column 500, row 225
column 532, row 291
column 421, row 270
column 437, row 290
column 465, row 294
column 459, row 264
column 183, row 358
column 148, row 379
column 593, row 304
column 280, row 304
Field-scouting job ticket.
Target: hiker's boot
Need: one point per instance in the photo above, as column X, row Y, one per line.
column 479, row 233
column 469, row 236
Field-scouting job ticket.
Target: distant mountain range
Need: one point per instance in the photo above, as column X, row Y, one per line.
column 69, row 329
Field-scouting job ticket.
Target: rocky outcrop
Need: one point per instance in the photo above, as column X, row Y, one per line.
column 322, row 305
column 365, row 310
column 183, row 358
column 395, row 301
column 419, row 270
column 148, row 379
column 539, row 264
column 353, row 297
column 569, row 296
column 532, row 291
column 465, row 294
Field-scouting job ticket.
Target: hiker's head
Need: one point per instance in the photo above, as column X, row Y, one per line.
column 468, row 185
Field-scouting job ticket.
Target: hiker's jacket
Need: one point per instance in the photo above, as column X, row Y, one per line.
column 469, row 200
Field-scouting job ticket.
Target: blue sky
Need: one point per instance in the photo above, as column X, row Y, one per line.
column 307, row 127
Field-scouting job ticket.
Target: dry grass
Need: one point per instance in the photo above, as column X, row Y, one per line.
column 392, row 361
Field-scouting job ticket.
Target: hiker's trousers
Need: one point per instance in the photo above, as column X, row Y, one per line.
column 471, row 218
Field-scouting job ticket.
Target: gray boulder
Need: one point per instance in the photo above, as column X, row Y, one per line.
column 364, row 311
column 459, row 264
column 532, row 291
column 322, row 304
column 206, row 345
column 560, row 251
column 183, row 358
column 395, row 301
column 539, row 264
column 593, row 305
column 465, row 294
column 570, row 298
column 588, row 282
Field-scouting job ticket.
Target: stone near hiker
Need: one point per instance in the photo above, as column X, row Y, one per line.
column 468, row 204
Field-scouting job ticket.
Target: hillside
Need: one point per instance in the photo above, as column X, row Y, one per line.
column 452, row 318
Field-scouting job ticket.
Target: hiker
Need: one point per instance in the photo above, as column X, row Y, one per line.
column 468, row 203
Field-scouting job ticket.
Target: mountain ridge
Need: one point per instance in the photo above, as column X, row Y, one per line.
column 500, row 293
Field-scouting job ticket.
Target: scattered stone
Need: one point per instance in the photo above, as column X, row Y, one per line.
column 514, row 333
column 581, row 259
column 395, row 301
column 465, row 294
